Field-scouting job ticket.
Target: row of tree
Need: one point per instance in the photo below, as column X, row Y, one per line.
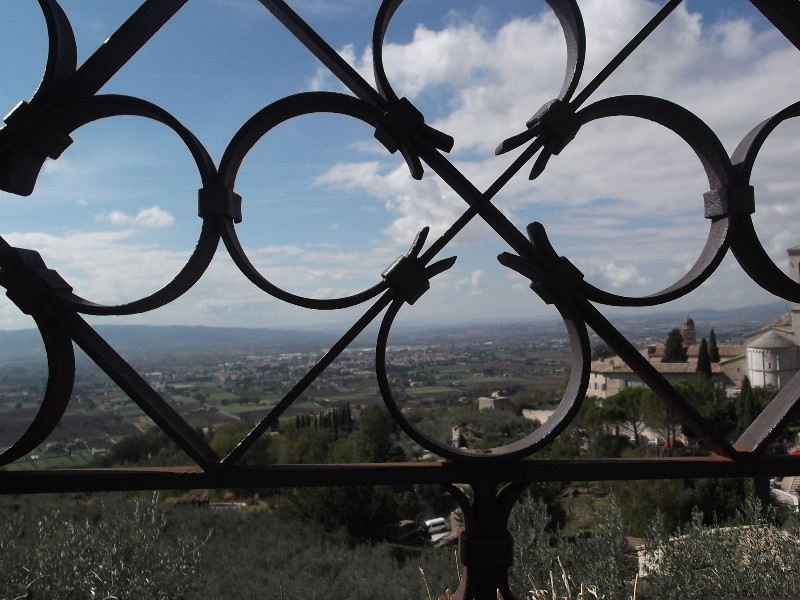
column 334, row 419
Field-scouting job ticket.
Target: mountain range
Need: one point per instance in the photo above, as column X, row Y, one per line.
column 729, row 325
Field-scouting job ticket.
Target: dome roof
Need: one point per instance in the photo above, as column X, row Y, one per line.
column 770, row 340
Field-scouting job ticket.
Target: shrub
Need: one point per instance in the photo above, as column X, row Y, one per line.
column 93, row 552
column 533, row 561
column 598, row 559
column 751, row 557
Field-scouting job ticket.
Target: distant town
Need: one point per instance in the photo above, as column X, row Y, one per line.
column 218, row 389
column 485, row 366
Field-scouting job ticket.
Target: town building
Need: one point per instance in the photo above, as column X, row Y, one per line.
column 612, row 375
column 769, row 356
column 773, row 354
column 497, row 401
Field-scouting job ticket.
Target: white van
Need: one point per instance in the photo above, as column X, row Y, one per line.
column 437, row 525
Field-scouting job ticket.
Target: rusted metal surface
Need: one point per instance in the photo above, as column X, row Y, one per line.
column 69, row 98
column 305, row 475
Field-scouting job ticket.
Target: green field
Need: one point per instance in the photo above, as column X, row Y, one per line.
column 46, row 461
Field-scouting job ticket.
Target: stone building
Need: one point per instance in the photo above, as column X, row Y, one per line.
column 612, row 375
column 773, row 355
column 773, row 352
column 769, row 356
column 497, row 401
column 688, row 333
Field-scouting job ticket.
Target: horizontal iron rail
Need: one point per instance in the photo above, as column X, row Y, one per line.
column 292, row 475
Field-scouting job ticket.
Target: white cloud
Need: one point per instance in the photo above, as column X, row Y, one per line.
column 623, row 201
column 621, row 275
column 622, row 182
column 146, row 217
column 470, row 285
column 106, row 267
column 417, row 203
column 475, row 282
column 112, row 268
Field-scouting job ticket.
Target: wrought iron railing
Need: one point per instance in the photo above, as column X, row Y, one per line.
column 69, row 97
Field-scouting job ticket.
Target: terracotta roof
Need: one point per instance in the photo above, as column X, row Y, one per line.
column 616, row 365
column 726, row 351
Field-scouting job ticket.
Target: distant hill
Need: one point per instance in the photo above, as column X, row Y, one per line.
column 728, row 325
column 195, row 339
column 132, row 340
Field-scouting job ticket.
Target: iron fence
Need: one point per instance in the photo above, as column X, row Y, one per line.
column 70, row 97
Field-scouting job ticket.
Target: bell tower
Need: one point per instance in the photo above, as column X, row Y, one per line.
column 688, row 331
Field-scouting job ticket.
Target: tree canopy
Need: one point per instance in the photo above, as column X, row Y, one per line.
column 674, row 351
column 747, row 406
column 630, row 407
column 712, row 347
column 704, row 359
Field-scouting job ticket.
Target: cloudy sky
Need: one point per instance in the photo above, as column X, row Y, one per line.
column 326, row 209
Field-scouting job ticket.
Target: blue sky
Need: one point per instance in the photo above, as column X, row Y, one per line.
column 326, row 209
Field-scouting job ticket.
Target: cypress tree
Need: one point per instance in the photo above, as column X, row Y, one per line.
column 348, row 418
column 673, row 348
column 746, row 405
column 704, row 359
column 712, row 347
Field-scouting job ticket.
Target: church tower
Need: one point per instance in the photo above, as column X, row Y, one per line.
column 689, row 334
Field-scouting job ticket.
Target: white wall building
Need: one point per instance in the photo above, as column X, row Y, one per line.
column 773, row 357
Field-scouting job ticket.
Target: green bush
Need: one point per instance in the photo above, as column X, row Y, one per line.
column 750, row 557
column 533, row 561
column 561, row 565
column 120, row 549
column 258, row 555
column 598, row 559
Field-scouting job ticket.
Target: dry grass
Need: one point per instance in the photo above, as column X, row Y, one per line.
column 582, row 592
